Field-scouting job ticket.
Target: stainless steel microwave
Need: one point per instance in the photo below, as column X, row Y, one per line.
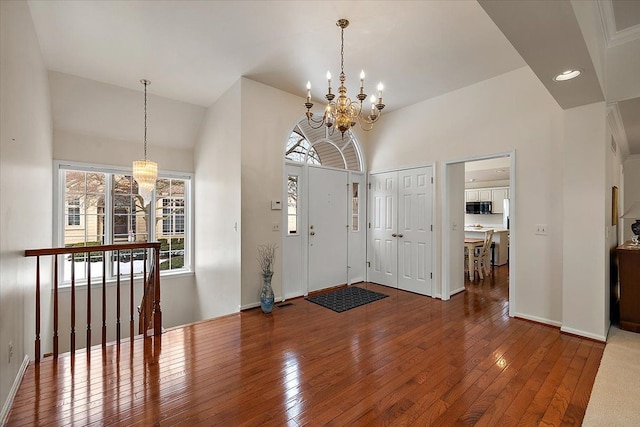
column 478, row 208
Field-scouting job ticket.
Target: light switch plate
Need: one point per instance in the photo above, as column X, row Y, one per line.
column 276, row 205
column 542, row 229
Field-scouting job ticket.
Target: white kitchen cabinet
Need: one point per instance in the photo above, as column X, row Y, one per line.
column 493, row 195
column 497, row 198
column 484, row 194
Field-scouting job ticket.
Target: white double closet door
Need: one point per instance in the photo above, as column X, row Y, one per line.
column 401, row 229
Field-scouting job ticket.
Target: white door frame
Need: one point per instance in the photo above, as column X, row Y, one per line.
column 447, row 224
column 299, row 251
column 357, row 241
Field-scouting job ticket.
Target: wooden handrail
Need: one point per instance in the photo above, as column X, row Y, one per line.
column 99, row 248
column 150, row 298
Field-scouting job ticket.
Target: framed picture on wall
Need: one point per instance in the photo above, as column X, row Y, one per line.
column 614, row 206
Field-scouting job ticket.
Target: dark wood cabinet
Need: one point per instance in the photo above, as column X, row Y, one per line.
column 629, row 273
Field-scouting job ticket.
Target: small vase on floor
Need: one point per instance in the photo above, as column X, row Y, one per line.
column 266, row 295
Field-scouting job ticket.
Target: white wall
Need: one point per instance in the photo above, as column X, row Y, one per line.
column 217, row 207
column 613, row 172
column 453, row 229
column 87, row 107
column 509, row 112
column 631, row 193
column 25, row 174
column 585, row 309
column 105, row 151
column 268, row 116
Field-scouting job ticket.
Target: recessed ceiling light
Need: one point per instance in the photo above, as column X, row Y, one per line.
column 500, row 170
column 567, row 75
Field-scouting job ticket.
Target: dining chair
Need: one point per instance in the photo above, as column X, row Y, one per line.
column 481, row 259
column 484, row 257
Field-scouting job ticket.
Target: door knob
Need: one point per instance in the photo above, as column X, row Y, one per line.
column 313, row 233
column 394, row 235
column 400, row 235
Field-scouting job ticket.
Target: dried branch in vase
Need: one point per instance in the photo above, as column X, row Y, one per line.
column 267, row 257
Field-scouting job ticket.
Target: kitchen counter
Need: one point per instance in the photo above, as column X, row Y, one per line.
column 484, row 229
column 500, row 238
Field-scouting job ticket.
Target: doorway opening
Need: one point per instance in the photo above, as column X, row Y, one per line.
column 478, row 224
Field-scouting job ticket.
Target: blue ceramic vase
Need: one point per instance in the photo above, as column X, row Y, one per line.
column 266, row 295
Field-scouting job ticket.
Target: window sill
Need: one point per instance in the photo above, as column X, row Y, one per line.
column 96, row 282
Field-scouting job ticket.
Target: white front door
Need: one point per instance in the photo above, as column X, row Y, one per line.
column 327, row 229
column 415, row 195
column 383, row 247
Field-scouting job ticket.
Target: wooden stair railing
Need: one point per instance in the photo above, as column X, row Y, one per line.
column 150, row 298
column 149, row 310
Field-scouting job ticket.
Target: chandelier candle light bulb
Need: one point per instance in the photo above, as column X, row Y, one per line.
column 343, row 112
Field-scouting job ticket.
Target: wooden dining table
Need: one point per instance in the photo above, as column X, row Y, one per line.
column 471, row 245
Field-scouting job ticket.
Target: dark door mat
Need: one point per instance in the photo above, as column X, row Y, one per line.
column 346, row 298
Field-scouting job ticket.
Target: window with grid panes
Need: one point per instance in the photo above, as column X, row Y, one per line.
column 103, row 207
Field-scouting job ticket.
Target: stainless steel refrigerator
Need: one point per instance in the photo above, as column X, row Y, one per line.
column 505, row 214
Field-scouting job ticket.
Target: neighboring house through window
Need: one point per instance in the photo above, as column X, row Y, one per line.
column 73, row 211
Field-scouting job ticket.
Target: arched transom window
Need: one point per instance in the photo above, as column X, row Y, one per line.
column 318, row 147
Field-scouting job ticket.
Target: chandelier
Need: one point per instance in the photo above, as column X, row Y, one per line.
column 343, row 113
column 145, row 172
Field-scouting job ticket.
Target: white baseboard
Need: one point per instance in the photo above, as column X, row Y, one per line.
column 257, row 304
column 578, row 332
column 538, row 319
column 4, row 415
column 456, row 291
column 563, row 328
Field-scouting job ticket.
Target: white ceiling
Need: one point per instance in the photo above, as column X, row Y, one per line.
column 489, row 170
column 193, row 51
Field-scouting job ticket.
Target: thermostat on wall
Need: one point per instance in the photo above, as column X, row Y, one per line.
column 276, row 205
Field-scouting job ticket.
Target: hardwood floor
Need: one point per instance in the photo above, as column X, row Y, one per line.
column 402, row 360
